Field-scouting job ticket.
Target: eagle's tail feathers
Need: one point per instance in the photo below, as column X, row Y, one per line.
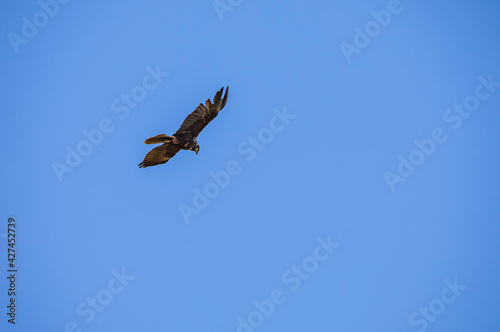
column 161, row 138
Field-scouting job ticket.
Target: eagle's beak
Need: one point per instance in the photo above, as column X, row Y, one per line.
column 196, row 150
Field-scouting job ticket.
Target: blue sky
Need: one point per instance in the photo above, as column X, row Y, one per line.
column 350, row 183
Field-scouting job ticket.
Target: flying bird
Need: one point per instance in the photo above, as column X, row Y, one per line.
column 185, row 137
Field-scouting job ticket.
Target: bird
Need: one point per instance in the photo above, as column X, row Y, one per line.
column 185, row 137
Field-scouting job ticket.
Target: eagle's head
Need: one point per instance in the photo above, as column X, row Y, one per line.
column 196, row 148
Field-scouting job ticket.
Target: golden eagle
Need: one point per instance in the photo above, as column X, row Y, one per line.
column 185, row 137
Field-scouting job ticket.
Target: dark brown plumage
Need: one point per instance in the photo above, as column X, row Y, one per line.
column 185, row 137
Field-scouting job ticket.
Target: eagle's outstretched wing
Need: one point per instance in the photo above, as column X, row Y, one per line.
column 160, row 155
column 203, row 114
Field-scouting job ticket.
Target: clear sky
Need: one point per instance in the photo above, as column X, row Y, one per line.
column 350, row 183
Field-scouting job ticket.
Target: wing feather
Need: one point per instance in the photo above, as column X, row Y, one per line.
column 203, row 114
column 159, row 155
